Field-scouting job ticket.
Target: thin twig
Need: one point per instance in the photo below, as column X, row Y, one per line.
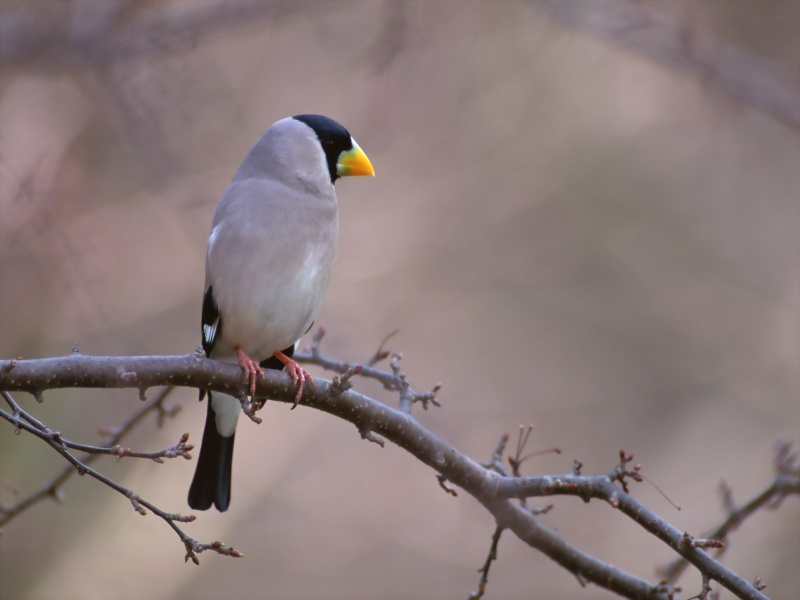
column 484, row 570
column 52, row 489
column 393, row 381
column 139, row 504
column 785, row 482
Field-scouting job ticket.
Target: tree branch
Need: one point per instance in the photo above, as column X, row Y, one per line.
column 24, row 421
column 785, row 483
column 53, row 488
column 491, row 489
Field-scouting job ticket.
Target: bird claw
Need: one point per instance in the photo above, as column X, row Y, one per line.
column 299, row 376
column 252, row 370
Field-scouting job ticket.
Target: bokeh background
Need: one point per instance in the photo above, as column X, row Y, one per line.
column 567, row 229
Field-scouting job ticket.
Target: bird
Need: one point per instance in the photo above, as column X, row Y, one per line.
column 270, row 255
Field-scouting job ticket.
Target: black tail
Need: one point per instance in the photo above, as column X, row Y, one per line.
column 212, row 477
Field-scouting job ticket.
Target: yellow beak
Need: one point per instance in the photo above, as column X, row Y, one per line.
column 354, row 162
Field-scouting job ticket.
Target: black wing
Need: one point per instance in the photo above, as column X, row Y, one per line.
column 211, row 323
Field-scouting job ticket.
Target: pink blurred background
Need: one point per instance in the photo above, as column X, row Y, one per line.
column 565, row 232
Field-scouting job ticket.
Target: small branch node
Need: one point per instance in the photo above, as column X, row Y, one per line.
column 55, row 436
column 119, row 452
column 190, row 554
column 341, row 384
column 127, row 376
column 250, row 408
column 426, row 397
column 135, row 503
column 541, row 510
column 394, row 363
column 193, row 547
column 177, row 517
column 366, row 434
column 179, row 449
column 496, row 462
column 690, row 543
column 621, row 471
column 443, row 484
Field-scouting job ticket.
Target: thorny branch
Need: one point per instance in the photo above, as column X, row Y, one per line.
column 491, row 485
column 785, row 483
column 495, row 463
column 24, row 421
column 52, row 489
column 392, row 381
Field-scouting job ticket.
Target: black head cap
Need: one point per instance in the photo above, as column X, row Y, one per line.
column 334, row 139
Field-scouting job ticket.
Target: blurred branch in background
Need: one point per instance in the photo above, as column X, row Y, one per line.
column 105, row 44
column 490, row 484
column 24, row 421
column 119, row 53
column 645, row 28
column 90, row 34
column 53, row 488
column 591, row 205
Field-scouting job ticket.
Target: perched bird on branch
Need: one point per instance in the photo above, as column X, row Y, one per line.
column 269, row 260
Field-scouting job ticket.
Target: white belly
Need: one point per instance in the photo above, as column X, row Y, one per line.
column 269, row 314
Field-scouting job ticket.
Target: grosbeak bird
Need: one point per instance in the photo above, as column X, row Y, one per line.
column 270, row 255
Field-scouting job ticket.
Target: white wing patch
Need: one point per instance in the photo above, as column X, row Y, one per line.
column 210, row 331
column 213, row 237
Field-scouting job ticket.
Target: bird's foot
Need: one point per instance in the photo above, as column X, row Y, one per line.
column 299, row 375
column 251, row 369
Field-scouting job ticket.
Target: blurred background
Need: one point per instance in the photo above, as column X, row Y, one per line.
column 584, row 218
